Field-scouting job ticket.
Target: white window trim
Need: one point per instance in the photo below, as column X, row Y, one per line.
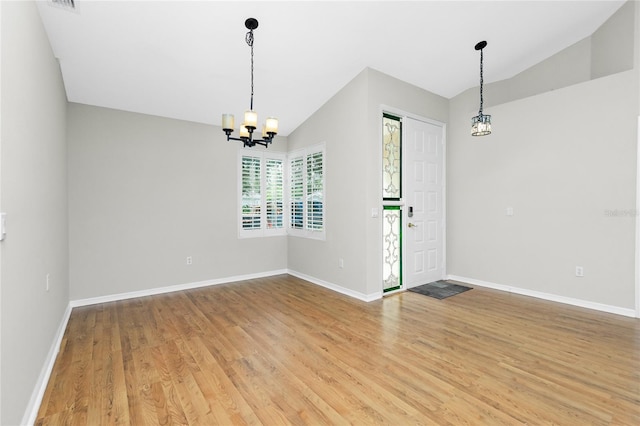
column 308, row 233
column 262, row 231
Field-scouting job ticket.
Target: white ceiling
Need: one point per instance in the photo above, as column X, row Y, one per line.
column 189, row 60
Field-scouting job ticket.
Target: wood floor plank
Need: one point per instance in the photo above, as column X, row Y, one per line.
column 193, row 402
column 280, row 350
column 165, row 395
column 135, row 405
column 54, row 391
column 156, row 394
column 224, row 398
column 101, row 332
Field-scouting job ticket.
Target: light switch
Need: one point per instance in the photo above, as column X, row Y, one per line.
column 509, row 211
column 374, row 212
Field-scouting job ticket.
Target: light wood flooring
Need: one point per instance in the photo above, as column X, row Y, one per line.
column 279, row 350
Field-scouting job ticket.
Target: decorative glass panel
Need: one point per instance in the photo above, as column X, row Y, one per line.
column 392, row 247
column 391, row 171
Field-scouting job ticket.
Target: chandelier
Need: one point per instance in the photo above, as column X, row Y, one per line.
column 481, row 124
column 250, row 124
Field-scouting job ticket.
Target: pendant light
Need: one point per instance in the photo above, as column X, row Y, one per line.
column 481, row 124
column 250, row 124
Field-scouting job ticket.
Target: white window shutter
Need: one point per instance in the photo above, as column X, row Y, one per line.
column 261, row 194
column 251, row 193
column 296, row 191
column 306, row 192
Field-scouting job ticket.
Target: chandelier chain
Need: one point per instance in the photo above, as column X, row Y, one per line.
column 249, row 40
column 481, row 81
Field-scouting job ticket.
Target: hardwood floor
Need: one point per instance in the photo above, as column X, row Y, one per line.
column 282, row 351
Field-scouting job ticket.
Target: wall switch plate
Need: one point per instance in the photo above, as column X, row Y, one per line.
column 3, row 230
column 509, row 211
column 579, row 271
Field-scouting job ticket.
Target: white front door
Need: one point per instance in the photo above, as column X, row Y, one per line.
column 423, row 217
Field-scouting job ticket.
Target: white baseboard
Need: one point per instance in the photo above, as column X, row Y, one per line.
column 179, row 287
column 547, row 296
column 337, row 288
column 171, row 288
column 31, row 412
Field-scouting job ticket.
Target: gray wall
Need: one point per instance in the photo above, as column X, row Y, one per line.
column 612, row 45
column 146, row 192
column 563, row 181
column 609, row 50
column 354, row 177
column 567, row 67
column 560, row 180
column 345, row 166
column 34, row 194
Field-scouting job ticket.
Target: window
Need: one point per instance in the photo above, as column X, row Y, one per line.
column 306, row 193
column 265, row 181
column 261, row 194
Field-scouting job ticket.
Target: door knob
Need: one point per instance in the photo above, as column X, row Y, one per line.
column 411, row 225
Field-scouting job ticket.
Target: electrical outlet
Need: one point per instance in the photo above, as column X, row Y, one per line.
column 189, row 260
column 47, row 283
column 579, row 271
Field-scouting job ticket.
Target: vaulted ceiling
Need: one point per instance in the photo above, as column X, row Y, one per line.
column 189, row 59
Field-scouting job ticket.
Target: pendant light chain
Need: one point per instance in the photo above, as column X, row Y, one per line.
column 481, row 81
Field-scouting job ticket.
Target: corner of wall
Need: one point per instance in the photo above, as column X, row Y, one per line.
column 34, row 196
column 612, row 45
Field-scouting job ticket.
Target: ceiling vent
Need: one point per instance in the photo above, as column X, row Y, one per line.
column 65, row 4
